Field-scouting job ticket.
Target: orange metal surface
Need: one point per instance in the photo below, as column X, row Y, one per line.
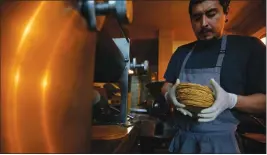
column 47, row 70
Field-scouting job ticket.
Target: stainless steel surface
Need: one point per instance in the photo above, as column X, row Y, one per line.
column 47, row 68
column 138, row 110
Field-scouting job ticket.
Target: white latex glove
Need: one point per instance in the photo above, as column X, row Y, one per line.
column 222, row 102
column 171, row 97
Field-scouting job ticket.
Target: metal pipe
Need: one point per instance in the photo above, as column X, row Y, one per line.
column 103, row 8
column 124, row 48
column 124, row 95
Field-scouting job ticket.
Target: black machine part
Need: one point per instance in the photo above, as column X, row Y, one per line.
column 103, row 113
column 154, row 88
column 109, row 61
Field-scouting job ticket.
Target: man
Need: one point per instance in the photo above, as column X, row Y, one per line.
column 235, row 66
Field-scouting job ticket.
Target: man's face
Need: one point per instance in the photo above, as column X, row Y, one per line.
column 208, row 19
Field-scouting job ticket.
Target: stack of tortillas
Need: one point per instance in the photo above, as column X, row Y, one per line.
column 194, row 95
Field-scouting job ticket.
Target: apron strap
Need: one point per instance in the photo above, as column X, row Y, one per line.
column 219, row 60
column 222, row 52
column 185, row 60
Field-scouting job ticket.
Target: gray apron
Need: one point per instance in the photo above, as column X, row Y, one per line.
column 217, row 136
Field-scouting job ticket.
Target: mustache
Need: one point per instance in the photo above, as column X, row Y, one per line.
column 205, row 30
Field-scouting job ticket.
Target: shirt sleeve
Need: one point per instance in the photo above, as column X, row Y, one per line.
column 171, row 71
column 256, row 73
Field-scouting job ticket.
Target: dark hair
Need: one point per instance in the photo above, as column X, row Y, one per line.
column 224, row 3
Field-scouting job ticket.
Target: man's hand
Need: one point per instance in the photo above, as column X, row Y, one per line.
column 171, row 98
column 223, row 101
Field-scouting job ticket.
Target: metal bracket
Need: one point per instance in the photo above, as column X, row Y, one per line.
column 144, row 65
column 95, row 12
